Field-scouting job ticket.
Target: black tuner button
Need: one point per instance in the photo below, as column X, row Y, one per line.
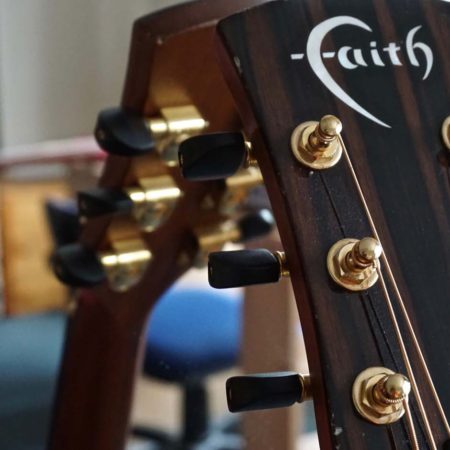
column 123, row 132
column 243, row 268
column 264, row 391
column 62, row 217
column 100, row 201
column 212, row 156
column 446, row 445
column 77, row 266
column 255, row 225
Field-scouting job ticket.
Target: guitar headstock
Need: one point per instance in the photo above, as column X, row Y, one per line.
column 363, row 214
column 354, row 207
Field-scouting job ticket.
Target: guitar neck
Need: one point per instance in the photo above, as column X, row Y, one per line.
column 97, row 378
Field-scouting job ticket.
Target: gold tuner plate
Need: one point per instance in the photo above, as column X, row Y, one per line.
column 174, row 125
column 353, row 264
column 446, row 132
column 125, row 264
column 154, row 200
column 379, row 394
column 238, row 187
column 317, row 144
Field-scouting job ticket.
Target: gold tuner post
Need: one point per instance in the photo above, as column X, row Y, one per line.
column 317, row 144
column 379, row 395
column 353, row 264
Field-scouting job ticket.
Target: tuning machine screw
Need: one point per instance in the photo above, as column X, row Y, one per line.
column 354, row 264
column 245, row 268
column 267, row 391
column 379, row 395
column 214, row 156
column 317, row 144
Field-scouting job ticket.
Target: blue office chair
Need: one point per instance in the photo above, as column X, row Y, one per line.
column 193, row 334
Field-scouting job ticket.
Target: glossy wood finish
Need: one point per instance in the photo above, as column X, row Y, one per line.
column 403, row 176
column 172, row 62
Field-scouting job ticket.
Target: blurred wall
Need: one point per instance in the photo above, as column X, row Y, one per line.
column 61, row 61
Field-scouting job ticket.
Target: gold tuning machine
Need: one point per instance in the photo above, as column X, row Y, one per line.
column 317, row 144
column 122, row 265
column 153, row 199
column 124, row 132
column 150, row 201
column 172, row 127
column 353, row 264
column 379, row 395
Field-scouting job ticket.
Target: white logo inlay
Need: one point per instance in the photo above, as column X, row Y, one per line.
column 351, row 58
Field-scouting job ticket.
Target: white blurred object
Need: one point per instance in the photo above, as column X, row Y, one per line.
column 61, row 62
column 308, row 441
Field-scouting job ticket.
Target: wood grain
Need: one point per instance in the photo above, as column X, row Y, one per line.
column 403, row 180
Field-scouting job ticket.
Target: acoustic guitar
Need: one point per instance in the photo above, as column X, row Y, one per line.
column 343, row 108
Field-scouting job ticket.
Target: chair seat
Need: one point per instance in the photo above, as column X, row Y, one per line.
column 192, row 334
column 30, row 348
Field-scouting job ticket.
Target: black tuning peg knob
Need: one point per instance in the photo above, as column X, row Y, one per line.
column 123, row 132
column 255, row 225
column 244, row 268
column 101, row 201
column 77, row 266
column 266, row 391
column 212, row 156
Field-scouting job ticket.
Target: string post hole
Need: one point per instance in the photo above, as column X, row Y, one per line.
column 379, row 395
column 353, row 264
column 317, row 145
